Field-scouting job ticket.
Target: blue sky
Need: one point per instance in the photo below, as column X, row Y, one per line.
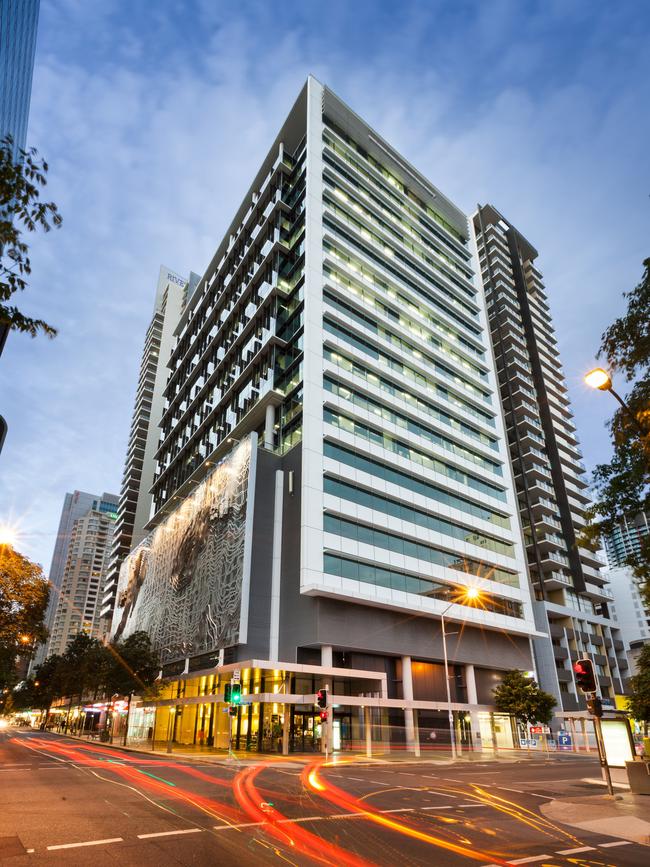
column 155, row 116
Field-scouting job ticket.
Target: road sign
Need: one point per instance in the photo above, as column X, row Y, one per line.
column 535, row 730
column 236, row 675
column 564, row 741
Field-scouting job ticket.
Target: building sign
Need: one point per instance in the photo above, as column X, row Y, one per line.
column 186, row 584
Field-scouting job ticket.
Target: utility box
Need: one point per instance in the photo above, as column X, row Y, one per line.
column 638, row 775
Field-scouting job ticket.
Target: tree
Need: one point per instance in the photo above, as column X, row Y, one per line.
column 521, row 697
column 23, row 599
column 639, row 689
column 134, row 665
column 623, row 485
column 22, row 175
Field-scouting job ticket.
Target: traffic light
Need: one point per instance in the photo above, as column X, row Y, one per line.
column 232, row 710
column 227, row 692
column 235, row 693
column 595, row 706
column 585, row 677
column 321, row 698
column 323, row 716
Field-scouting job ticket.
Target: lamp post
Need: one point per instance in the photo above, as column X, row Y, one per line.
column 600, row 379
column 469, row 594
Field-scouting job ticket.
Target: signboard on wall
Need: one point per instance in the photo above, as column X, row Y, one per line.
column 186, row 584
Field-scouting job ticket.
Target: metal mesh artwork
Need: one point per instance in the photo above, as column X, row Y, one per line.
column 183, row 583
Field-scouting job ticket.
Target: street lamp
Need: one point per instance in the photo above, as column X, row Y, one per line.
column 600, row 379
column 469, row 594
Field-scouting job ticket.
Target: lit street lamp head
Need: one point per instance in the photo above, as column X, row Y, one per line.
column 598, row 378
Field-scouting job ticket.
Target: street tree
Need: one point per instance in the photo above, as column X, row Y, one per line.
column 521, row 697
column 24, row 594
column 22, row 177
column 134, row 665
column 639, row 689
column 623, row 485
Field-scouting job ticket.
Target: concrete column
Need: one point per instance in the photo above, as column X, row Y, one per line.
column 367, row 724
column 472, row 700
column 585, row 736
column 412, row 742
column 269, row 426
column 285, row 730
column 326, row 656
column 574, row 735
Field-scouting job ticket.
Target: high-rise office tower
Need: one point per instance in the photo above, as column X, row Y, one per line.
column 75, row 506
column 135, row 498
column 625, row 539
column 18, row 26
column 570, row 589
column 333, row 475
column 78, row 601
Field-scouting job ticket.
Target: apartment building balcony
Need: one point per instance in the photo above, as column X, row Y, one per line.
column 590, row 558
column 560, row 652
column 593, row 591
column 547, row 523
column 554, row 561
column 555, row 580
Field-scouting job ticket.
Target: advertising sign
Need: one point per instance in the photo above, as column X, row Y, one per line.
column 617, row 742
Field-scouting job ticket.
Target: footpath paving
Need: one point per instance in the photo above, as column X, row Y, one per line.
column 625, row 816
column 437, row 757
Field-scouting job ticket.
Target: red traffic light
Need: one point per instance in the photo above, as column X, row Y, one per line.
column 321, row 698
column 323, row 716
column 584, row 675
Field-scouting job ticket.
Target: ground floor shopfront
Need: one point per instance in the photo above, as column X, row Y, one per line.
column 279, row 714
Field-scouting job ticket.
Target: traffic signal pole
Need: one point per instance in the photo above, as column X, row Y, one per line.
column 602, row 755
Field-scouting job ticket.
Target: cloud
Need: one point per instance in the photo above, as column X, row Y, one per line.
column 155, row 117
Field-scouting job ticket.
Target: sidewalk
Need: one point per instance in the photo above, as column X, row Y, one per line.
column 624, row 816
column 439, row 757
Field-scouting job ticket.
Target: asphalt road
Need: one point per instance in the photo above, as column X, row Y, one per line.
column 68, row 803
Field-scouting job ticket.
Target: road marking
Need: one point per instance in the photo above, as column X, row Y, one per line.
column 470, row 805
column 531, row 860
column 399, row 810
column 450, row 807
column 575, row 851
column 378, row 783
column 615, row 843
column 30, row 851
column 241, row 825
column 86, row 843
column 357, row 779
column 170, row 833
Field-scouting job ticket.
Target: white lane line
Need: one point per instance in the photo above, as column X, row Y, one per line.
column 615, row 843
column 473, row 804
column 357, row 779
column 532, row 859
column 575, row 851
column 399, row 810
column 241, row 825
column 450, row 807
column 378, row 783
column 170, row 833
column 30, row 851
column 442, row 794
column 86, row 843
column 303, row 819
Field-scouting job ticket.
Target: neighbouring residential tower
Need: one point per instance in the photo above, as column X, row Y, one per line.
column 134, row 510
column 571, row 590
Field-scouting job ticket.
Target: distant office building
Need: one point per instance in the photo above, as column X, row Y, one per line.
column 570, row 588
column 625, row 539
column 78, row 601
column 333, row 474
column 75, row 506
column 134, row 510
column 18, row 26
column 631, row 614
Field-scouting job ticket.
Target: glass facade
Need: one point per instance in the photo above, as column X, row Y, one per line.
column 18, row 26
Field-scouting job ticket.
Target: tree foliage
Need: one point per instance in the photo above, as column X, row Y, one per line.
column 623, row 485
column 521, row 697
column 639, row 688
column 89, row 670
column 23, row 599
column 22, row 175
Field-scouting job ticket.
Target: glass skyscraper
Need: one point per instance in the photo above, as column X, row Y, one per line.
column 18, row 25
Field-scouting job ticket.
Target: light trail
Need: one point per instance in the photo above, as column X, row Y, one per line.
column 311, row 778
